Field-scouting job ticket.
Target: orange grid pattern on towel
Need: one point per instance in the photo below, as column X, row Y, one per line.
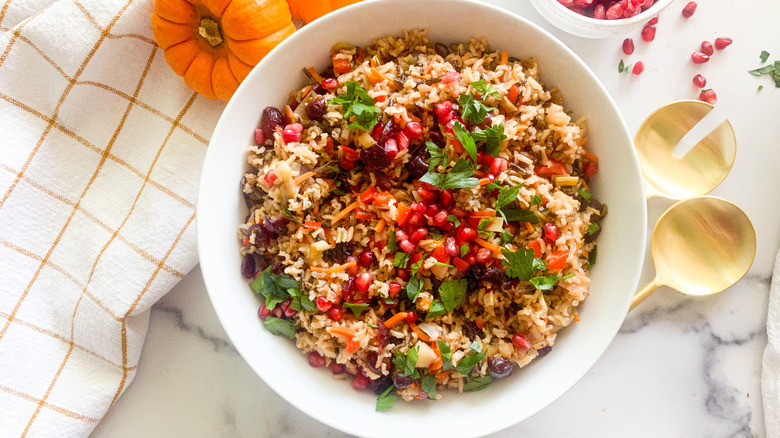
column 99, row 161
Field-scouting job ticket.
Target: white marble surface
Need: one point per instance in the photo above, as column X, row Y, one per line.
column 680, row 367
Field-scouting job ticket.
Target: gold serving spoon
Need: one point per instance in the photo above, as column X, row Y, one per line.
column 700, row 246
column 670, row 174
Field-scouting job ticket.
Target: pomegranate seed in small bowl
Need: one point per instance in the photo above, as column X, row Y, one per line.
column 600, row 18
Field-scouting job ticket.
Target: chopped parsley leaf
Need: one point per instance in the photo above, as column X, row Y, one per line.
column 477, row 383
column 465, row 139
column 464, row 249
column 771, row 69
column 400, row 260
column 301, row 301
column 391, row 244
column 437, row 309
column 357, row 309
column 517, row 215
column 764, row 56
column 473, row 110
column 467, row 363
column 623, row 68
column 438, row 155
column 493, row 136
column 445, row 264
column 453, row 293
column 586, row 194
column 435, row 236
column 519, row 264
column 459, row 177
column 446, row 354
column 592, row 228
column 413, row 288
column 429, row 386
column 483, row 223
column 454, row 219
column 539, row 265
column 506, row 197
column 386, row 400
column 592, row 256
column 356, row 102
column 546, row 282
column 493, row 186
column 406, row 363
column 506, row 237
column 416, row 267
column 274, row 287
column 280, row 327
column 485, row 89
column 536, row 200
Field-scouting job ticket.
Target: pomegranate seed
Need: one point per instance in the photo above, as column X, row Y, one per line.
column 470, row 259
column 316, row 360
column 419, row 207
column 323, row 305
column 551, row 231
column 404, row 274
column 648, row 33
column 394, row 289
column 411, row 317
column 403, row 141
column 415, row 220
column 450, row 77
column 567, row 3
column 443, row 109
column 259, row 136
column 407, row 246
column 346, row 164
column 615, row 11
column 628, row 46
column 270, row 177
column 722, row 43
column 366, row 258
column 483, row 255
column 440, row 219
column 413, row 130
column 706, row 48
column 263, row 312
column 447, row 120
column 689, row 9
column 426, row 195
column 583, row 3
column 600, row 13
column 432, row 210
column 521, row 341
column 335, row 313
column 451, row 247
column 289, row 312
column 465, row 234
column 391, row 148
column 699, row 58
column 418, row 235
column 330, row 84
column 639, row 67
column 497, row 166
column 363, row 281
column 708, row 96
column 653, row 21
column 458, row 212
column 445, row 198
column 360, row 383
column 290, row 135
column 352, row 270
column 699, row 81
column 401, row 235
column 337, row 368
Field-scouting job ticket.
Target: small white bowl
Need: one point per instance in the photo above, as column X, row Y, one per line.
column 614, row 278
column 580, row 25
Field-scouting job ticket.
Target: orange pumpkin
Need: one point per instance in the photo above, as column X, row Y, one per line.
column 310, row 10
column 214, row 44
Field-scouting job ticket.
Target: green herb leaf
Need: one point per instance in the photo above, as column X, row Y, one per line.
column 477, row 383
column 483, row 223
column 286, row 211
column 466, row 140
column 385, row 400
column 413, row 288
column 472, row 110
column 506, row 237
column 546, row 282
column 623, row 68
column 764, row 56
column 517, row 215
column 400, row 260
column 493, row 186
column 767, row 69
column 453, row 293
column 592, row 228
column 592, row 256
column 494, row 138
column 280, row 327
column 464, row 249
column 506, row 197
column 406, row 362
column 357, row 309
column 485, row 89
column 519, row 263
column 760, row 87
column 586, row 194
column 539, row 265
column 356, row 102
column 459, row 177
column 536, row 200
column 446, row 354
column 416, row 267
column 438, row 155
column 435, row 236
column 467, row 363
column 300, row 301
column 444, row 264
column 437, row 309
column 454, row 219
column 429, row 386
column 274, row 287
column 391, row 244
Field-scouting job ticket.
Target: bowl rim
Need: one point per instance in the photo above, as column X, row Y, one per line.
column 210, row 278
column 659, row 5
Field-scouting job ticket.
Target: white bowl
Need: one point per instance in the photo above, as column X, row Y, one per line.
column 621, row 244
column 580, row 25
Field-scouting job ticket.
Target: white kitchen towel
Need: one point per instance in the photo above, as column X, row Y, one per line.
column 101, row 146
column 770, row 378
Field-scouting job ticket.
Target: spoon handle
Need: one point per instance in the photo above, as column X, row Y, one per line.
column 644, row 292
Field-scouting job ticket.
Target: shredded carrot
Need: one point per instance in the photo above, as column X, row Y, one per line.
column 340, row 65
column 425, row 118
column 486, row 213
column 333, row 269
column 375, row 77
column 373, row 62
column 485, row 181
column 315, row 75
column 379, row 226
column 582, row 180
column 576, row 317
column 420, row 334
column 395, row 319
column 343, row 213
column 312, row 225
column 529, row 227
column 304, row 177
column 589, row 155
column 342, row 331
column 305, row 92
column 381, row 98
column 289, row 114
column 585, row 254
column 491, row 246
column 480, row 323
column 316, row 208
column 429, row 68
column 504, row 58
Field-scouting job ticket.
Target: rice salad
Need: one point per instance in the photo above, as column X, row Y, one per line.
column 420, row 216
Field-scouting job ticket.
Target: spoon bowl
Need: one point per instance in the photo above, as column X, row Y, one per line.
column 700, row 246
column 698, row 171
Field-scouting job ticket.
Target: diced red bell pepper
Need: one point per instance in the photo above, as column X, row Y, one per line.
column 460, row 264
column 589, row 169
column 383, row 198
column 349, row 153
column 552, row 168
column 440, row 254
column 536, row 245
column 368, row 195
column 341, row 65
column 363, row 215
column 403, row 214
column 557, row 260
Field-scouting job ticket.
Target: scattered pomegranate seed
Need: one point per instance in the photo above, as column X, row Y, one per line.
column 689, row 9
column 451, row 247
column 337, row 368
column 394, row 288
column 289, row 312
column 270, row 177
column 316, row 360
column 335, row 313
column 483, row 255
column 450, row 77
column 360, row 383
column 323, row 305
column 551, row 231
column 352, row 270
column 259, row 136
column 628, row 46
column 465, row 234
column 366, row 258
column 722, row 43
column 708, row 96
column 415, row 220
column 391, row 148
column 413, row 130
column 407, row 246
column 706, row 48
column 419, row 207
column 426, row 195
column 445, row 198
column 440, row 219
column 498, row 165
column 401, row 235
column 403, row 141
column 418, row 235
column 639, row 67
column 699, row 58
column 699, row 81
column 263, row 312
column 363, row 281
column 653, row 21
column 521, row 341
column 432, row 210
column 404, row 274
column 290, row 135
column 458, row 212
column 411, row 317
column 470, row 259
column 648, row 33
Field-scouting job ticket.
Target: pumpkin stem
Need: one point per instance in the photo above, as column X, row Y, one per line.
column 209, row 30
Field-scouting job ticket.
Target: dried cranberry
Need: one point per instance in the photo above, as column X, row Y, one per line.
column 400, row 381
column 375, row 157
column 499, row 367
column 276, row 227
column 382, row 335
column 441, row 50
column 544, row 350
column 270, row 120
column 417, row 167
column 317, row 88
column 248, row 266
column 337, row 368
column 381, row 384
column 316, row 109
